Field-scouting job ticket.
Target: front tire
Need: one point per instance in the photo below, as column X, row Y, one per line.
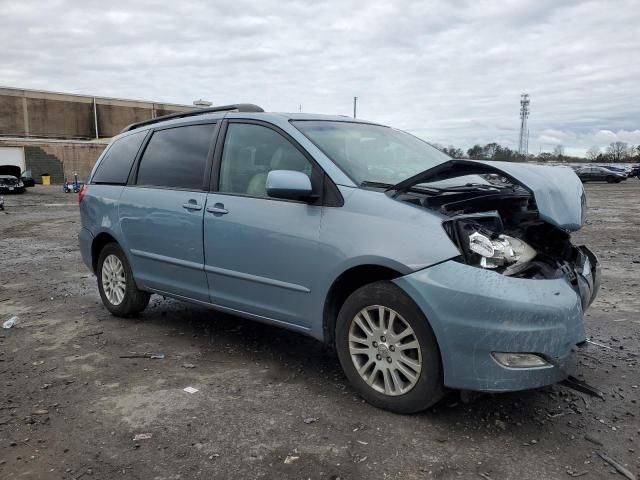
column 387, row 349
column 116, row 285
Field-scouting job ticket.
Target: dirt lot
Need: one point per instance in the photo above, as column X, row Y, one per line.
column 274, row 404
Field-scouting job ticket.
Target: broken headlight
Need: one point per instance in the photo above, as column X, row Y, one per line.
column 500, row 251
column 482, row 247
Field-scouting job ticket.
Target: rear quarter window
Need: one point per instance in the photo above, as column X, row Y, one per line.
column 176, row 157
column 116, row 165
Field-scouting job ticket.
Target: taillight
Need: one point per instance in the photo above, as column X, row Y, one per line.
column 81, row 192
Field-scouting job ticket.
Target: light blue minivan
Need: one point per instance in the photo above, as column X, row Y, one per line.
column 424, row 272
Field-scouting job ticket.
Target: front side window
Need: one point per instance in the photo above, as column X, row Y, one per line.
column 176, row 157
column 250, row 152
column 114, row 168
column 371, row 153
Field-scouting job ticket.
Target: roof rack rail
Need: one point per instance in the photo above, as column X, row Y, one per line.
column 239, row 107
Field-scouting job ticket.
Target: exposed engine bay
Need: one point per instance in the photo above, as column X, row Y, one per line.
column 496, row 224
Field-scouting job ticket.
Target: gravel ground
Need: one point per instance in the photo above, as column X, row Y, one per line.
column 274, row 404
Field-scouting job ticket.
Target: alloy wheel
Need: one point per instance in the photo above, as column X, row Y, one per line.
column 385, row 350
column 113, row 279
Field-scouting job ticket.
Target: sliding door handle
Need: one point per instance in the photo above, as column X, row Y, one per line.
column 192, row 206
column 218, row 209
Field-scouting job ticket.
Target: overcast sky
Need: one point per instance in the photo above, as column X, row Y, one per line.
column 450, row 71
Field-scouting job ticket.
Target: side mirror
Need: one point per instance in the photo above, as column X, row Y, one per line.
column 288, row 184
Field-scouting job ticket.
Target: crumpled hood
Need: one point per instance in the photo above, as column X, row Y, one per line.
column 558, row 191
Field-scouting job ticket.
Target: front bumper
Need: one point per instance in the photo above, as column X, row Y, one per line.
column 474, row 312
column 11, row 189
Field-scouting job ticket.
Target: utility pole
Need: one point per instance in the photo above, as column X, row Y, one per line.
column 95, row 117
column 300, row 108
column 355, row 103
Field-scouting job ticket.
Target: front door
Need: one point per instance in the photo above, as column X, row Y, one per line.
column 260, row 252
column 161, row 215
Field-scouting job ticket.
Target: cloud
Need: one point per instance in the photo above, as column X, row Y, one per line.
column 450, row 71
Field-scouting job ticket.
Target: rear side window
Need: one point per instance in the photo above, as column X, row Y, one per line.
column 116, row 165
column 176, row 157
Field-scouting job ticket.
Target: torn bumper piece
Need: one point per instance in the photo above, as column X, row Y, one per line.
column 476, row 312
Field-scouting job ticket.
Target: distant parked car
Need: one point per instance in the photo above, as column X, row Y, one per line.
column 600, row 174
column 27, row 179
column 11, row 184
column 635, row 171
column 613, row 168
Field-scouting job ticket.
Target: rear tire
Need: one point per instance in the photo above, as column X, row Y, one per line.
column 387, row 349
column 118, row 290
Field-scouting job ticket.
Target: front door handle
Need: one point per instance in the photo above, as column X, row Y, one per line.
column 218, row 209
column 192, row 206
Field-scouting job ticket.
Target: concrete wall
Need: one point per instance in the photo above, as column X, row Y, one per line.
column 59, row 159
column 31, row 113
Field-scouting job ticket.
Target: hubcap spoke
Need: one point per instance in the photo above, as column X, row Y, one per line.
column 366, row 328
column 385, row 350
column 409, row 345
column 374, row 374
column 369, row 321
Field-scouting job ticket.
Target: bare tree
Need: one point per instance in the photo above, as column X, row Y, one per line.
column 592, row 153
column 558, row 151
column 617, row 151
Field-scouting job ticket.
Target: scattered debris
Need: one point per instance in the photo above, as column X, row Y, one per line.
column 41, row 412
column 571, row 473
column 94, row 334
column 290, row 459
column 310, row 420
column 188, row 365
column 560, row 414
column 190, row 390
column 142, row 436
column 11, row 322
column 593, row 439
column 485, row 476
column 144, row 355
column 617, row 465
column 599, row 344
column 582, row 387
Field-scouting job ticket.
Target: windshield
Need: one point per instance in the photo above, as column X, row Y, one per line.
column 371, row 154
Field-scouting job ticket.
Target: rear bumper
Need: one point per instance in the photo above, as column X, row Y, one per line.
column 85, row 239
column 474, row 312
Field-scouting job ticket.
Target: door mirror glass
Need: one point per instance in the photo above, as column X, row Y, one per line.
column 288, row 184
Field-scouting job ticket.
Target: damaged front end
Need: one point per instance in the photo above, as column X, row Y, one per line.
column 518, row 226
column 508, row 311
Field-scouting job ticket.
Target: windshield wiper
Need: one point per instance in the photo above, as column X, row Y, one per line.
column 467, row 187
column 367, row 183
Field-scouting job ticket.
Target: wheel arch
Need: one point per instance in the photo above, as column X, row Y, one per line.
column 344, row 285
column 97, row 245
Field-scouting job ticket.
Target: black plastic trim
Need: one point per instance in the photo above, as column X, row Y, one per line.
column 239, row 107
